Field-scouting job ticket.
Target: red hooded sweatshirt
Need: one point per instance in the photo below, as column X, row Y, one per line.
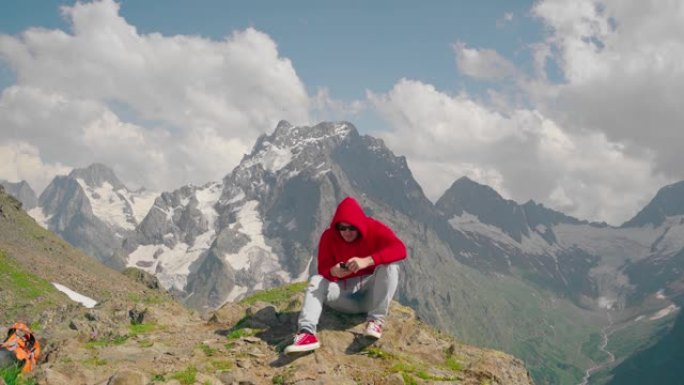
column 375, row 239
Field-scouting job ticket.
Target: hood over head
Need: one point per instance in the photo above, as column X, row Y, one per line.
column 350, row 211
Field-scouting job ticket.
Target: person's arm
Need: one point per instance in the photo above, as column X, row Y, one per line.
column 328, row 266
column 389, row 248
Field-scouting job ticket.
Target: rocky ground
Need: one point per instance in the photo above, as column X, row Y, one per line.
column 138, row 343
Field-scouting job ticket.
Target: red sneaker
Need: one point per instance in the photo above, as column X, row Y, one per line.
column 374, row 329
column 303, row 342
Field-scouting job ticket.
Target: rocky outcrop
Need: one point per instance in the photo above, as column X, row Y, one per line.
column 241, row 343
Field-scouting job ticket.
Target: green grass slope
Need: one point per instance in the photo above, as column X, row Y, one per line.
column 32, row 258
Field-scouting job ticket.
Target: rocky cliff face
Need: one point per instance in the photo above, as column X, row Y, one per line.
column 92, row 210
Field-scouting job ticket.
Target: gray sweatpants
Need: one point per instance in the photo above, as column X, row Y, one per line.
column 370, row 294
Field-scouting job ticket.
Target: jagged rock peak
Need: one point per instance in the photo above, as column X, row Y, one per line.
column 22, row 191
column 465, row 183
column 287, row 134
column 287, row 142
column 465, row 192
column 668, row 202
column 96, row 175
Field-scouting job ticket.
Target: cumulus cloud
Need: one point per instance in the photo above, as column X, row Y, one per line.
column 21, row 161
column 523, row 154
column 593, row 131
column 182, row 108
column 484, row 64
column 623, row 72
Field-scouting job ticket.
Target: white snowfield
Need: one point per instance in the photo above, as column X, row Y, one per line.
column 76, row 297
column 38, row 215
column 664, row 312
column 274, row 158
column 613, row 245
column 172, row 265
column 119, row 208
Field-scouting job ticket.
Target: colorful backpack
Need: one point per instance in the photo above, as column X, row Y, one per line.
column 21, row 341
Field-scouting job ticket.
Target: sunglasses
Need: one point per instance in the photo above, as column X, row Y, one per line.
column 346, row 228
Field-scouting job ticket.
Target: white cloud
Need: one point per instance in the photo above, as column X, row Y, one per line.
column 103, row 90
column 21, row 161
column 523, row 155
column 597, row 126
column 485, row 64
column 623, row 67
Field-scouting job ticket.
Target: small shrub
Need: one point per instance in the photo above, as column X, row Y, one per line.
column 186, row 377
column 143, row 328
column 375, row 352
column 95, row 361
column 222, row 365
column 277, row 295
column 239, row 333
column 207, row 350
column 453, row 364
column 408, row 380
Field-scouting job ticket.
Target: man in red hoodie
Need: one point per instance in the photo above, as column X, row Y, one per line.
column 357, row 273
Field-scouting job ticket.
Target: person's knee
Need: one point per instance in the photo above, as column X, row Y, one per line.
column 318, row 285
column 315, row 280
column 390, row 269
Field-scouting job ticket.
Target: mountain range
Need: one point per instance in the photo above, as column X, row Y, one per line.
column 574, row 299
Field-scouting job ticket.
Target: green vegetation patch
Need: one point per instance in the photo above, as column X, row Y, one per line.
column 12, row 376
column 21, row 283
column 138, row 329
column 25, row 296
column 206, row 349
column 187, row 376
column 276, row 296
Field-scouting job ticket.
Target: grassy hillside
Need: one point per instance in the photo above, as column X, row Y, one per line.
column 33, row 257
column 555, row 338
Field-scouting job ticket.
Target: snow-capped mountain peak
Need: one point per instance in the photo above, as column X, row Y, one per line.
column 97, row 175
column 287, row 143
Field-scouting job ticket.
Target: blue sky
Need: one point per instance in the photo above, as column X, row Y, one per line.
column 571, row 104
column 347, row 47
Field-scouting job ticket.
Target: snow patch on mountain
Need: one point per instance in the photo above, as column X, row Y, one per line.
column 605, row 303
column 272, row 157
column 118, row 207
column 170, row 265
column 108, row 205
column 207, row 197
column 140, row 202
column 279, row 150
column 39, row 216
column 612, row 244
column 664, row 312
column 470, row 224
column 76, row 297
column 256, row 255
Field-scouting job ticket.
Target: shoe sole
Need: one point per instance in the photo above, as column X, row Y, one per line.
column 304, row 348
column 373, row 335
